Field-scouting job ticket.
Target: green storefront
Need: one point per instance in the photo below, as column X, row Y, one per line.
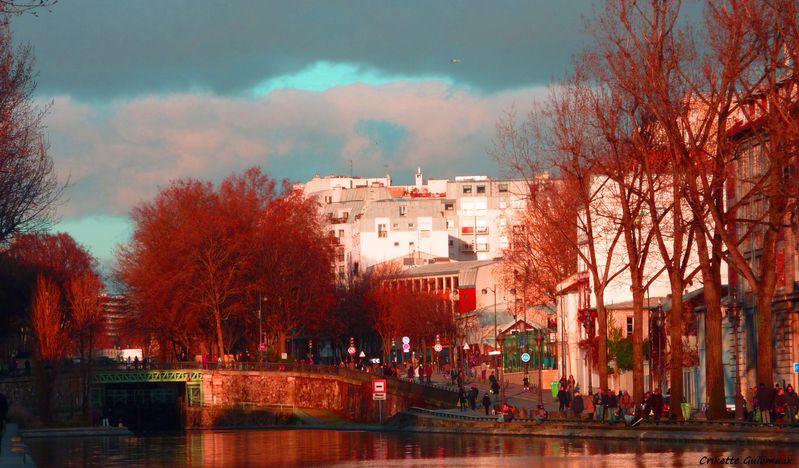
column 516, row 344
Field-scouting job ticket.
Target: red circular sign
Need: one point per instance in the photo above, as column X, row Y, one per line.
column 351, row 350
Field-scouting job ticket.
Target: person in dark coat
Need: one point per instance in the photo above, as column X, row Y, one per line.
column 656, row 402
column 486, row 403
column 613, row 405
column 791, row 404
column 3, row 411
column 494, row 386
column 563, row 401
column 765, row 403
column 577, row 405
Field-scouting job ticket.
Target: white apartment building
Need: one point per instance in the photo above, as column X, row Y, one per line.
column 372, row 221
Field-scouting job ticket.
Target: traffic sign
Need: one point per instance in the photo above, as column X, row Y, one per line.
column 438, row 347
column 466, row 346
column 525, row 357
column 405, row 340
column 796, row 367
column 379, row 389
column 351, row 350
column 406, row 347
column 362, row 354
column 262, row 346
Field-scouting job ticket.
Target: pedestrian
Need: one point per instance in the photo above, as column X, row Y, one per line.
column 461, row 377
column 462, row 398
column 765, row 402
column 578, row 405
column 656, row 402
column 791, row 404
column 483, row 371
column 494, row 386
column 780, row 405
column 471, row 395
column 625, row 403
column 613, row 406
column 572, row 384
column 563, row 401
column 417, row 374
column 599, row 405
column 428, row 373
column 486, row 402
column 453, row 375
column 526, row 382
column 646, row 405
column 588, row 403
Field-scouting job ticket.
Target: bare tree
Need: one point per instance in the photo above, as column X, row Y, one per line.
column 29, row 189
column 83, row 294
column 51, row 340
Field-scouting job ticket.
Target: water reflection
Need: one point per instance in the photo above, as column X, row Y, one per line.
column 314, row 448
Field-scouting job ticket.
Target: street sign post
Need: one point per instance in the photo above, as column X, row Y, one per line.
column 262, row 346
column 406, row 340
column 525, row 357
column 438, row 347
column 379, row 395
column 796, row 367
column 351, row 350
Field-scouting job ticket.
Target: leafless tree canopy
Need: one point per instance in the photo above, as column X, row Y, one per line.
column 29, row 188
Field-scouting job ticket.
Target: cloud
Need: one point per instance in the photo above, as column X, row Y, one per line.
column 118, row 154
column 96, row 49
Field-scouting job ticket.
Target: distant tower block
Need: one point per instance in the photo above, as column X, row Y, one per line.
column 419, row 177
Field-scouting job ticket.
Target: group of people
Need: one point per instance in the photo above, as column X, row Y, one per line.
column 773, row 404
column 607, row 406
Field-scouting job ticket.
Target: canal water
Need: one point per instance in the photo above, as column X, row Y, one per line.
column 276, row 448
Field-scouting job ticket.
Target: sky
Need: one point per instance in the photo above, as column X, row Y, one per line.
column 144, row 92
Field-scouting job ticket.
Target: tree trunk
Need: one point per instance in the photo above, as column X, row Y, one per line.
column 714, row 366
column 675, row 347
column 281, row 343
column 638, row 345
column 219, row 337
column 765, row 342
column 602, row 339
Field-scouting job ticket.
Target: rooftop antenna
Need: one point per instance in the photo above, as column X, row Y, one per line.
column 350, row 168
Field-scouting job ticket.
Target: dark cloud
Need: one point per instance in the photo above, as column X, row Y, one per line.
column 96, row 49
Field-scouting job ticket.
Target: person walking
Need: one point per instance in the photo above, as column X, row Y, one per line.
column 625, row 403
column 765, row 403
column 494, row 386
column 483, row 371
column 572, row 383
column 656, row 403
column 563, row 402
column 526, row 382
column 462, row 398
column 578, row 405
column 599, row 405
column 428, row 373
column 588, row 402
column 486, row 403
column 613, row 405
column 791, row 404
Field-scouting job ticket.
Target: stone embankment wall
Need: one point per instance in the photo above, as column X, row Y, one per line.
column 348, row 396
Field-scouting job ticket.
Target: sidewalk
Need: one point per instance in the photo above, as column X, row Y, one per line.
column 12, row 452
column 514, row 394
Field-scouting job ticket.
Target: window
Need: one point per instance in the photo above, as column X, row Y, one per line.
column 449, row 206
column 451, row 242
column 450, row 224
column 340, row 255
column 411, row 245
column 341, row 233
column 503, row 188
column 396, row 244
column 629, row 326
column 503, row 242
column 345, row 215
column 403, row 210
column 328, row 199
column 382, row 230
column 410, row 225
column 467, row 189
column 396, row 226
column 481, row 189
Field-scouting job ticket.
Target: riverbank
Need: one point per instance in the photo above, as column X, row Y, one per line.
column 423, row 421
column 89, row 431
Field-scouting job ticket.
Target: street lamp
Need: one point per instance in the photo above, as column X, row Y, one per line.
column 660, row 324
column 539, row 339
column 496, row 334
column 261, row 300
column 734, row 315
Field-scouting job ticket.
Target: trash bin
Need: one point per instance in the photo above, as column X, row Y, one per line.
column 555, row 388
column 686, row 410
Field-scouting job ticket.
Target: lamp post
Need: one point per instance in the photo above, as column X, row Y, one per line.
column 660, row 325
column 734, row 314
column 261, row 299
column 496, row 334
column 539, row 339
